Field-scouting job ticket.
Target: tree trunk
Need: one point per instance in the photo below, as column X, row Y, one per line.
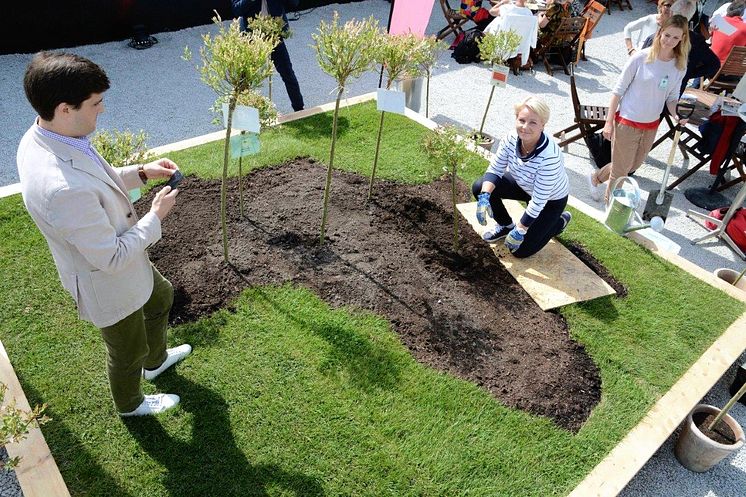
column 328, row 185
column 375, row 160
column 240, row 182
column 481, row 128
column 455, row 211
column 224, row 184
column 427, row 95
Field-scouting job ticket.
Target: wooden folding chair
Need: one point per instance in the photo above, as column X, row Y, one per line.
column 455, row 19
column 620, row 3
column 734, row 67
column 588, row 118
column 593, row 12
column 565, row 37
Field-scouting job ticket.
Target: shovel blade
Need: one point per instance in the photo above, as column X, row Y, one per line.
column 652, row 209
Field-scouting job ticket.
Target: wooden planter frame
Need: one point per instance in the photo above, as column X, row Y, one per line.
column 39, row 475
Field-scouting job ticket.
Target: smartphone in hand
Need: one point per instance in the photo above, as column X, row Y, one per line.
column 175, row 179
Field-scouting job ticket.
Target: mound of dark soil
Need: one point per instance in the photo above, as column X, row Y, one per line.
column 458, row 312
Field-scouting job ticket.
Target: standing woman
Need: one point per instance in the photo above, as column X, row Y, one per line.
column 650, row 79
column 528, row 166
column 646, row 26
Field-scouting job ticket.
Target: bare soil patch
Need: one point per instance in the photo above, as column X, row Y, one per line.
column 457, row 312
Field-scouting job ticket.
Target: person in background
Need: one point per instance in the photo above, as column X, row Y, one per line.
column 722, row 42
column 99, row 245
column 550, row 19
column 529, row 167
column 702, row 61
column 280, row 56
column 510, row 7
column 650, row 79
column 646, row 26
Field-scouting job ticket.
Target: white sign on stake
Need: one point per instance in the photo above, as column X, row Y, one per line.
column 390, row 101
column 244, row 118
column 244, row 144
column 499, row 76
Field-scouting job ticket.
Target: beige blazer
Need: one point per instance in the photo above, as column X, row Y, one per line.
column 96, row 239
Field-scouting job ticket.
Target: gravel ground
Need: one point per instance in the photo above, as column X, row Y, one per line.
column 157, row 91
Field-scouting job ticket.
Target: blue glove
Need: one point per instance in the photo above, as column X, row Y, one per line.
column 484, row 208
column 514, row 239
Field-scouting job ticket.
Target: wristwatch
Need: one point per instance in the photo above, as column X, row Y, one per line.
column 141, row 173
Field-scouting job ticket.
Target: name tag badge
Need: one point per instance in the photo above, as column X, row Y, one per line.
column 663, row 83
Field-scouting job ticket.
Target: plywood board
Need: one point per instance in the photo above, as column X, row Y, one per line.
column 37, row 472
column 553, row 277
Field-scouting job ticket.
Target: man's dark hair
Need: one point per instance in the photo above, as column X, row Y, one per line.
column 735, row 9
column 53, row 78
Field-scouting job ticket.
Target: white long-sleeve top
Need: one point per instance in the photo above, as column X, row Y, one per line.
column 646, row 26
column 541, row 174
column 644, row 88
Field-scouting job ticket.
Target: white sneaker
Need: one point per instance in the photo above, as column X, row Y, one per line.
column 594, row 189
column 173, row 356
column 154, row 404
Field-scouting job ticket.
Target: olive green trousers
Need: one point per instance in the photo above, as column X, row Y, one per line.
column 136, row 342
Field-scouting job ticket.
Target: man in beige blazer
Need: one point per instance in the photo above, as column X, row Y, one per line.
column 99, row 245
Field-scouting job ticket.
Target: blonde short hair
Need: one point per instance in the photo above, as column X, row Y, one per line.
column 536, row 105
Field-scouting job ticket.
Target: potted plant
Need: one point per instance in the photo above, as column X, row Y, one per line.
column 732, row 277
column 397, row 55
column 450, row 147
column 343, row 52
column 233, row 62
column 709, row 435
column 122, row 148
column 15, row 424
column 494, row 50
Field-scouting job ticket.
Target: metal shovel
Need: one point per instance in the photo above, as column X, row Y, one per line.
column 659, row 201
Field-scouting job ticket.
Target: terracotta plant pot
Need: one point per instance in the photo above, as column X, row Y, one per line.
column 698, row 452
column 729, row 276
column 483, row 140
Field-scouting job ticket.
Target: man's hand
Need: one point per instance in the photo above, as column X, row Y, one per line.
column 484, row 208
column 161, row 168
column 514, row 239
column 163, row 202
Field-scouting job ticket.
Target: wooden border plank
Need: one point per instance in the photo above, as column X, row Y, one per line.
column 616, row 470
column 37, row 473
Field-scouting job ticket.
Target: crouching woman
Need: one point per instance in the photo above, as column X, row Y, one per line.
column 528, row 166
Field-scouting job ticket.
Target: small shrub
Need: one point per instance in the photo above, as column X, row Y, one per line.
column 122, row 148
column 450, row 147
column 15, row 424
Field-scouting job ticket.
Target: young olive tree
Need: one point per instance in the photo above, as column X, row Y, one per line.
column 494, row 50
column 448, row 146
column 273, row 28
column 427, row 55
column 233, row 62
column 397, row 56
column 343, row 52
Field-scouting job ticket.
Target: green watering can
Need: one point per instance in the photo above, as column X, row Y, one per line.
column 621, row 213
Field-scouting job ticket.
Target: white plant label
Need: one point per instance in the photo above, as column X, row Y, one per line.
column 390, row 101
column 244, row 118
column 499, row 77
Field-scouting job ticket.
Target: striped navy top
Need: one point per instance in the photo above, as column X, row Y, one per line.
column 541, row 174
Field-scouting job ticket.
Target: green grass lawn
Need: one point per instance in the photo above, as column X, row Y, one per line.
column 285, row 396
